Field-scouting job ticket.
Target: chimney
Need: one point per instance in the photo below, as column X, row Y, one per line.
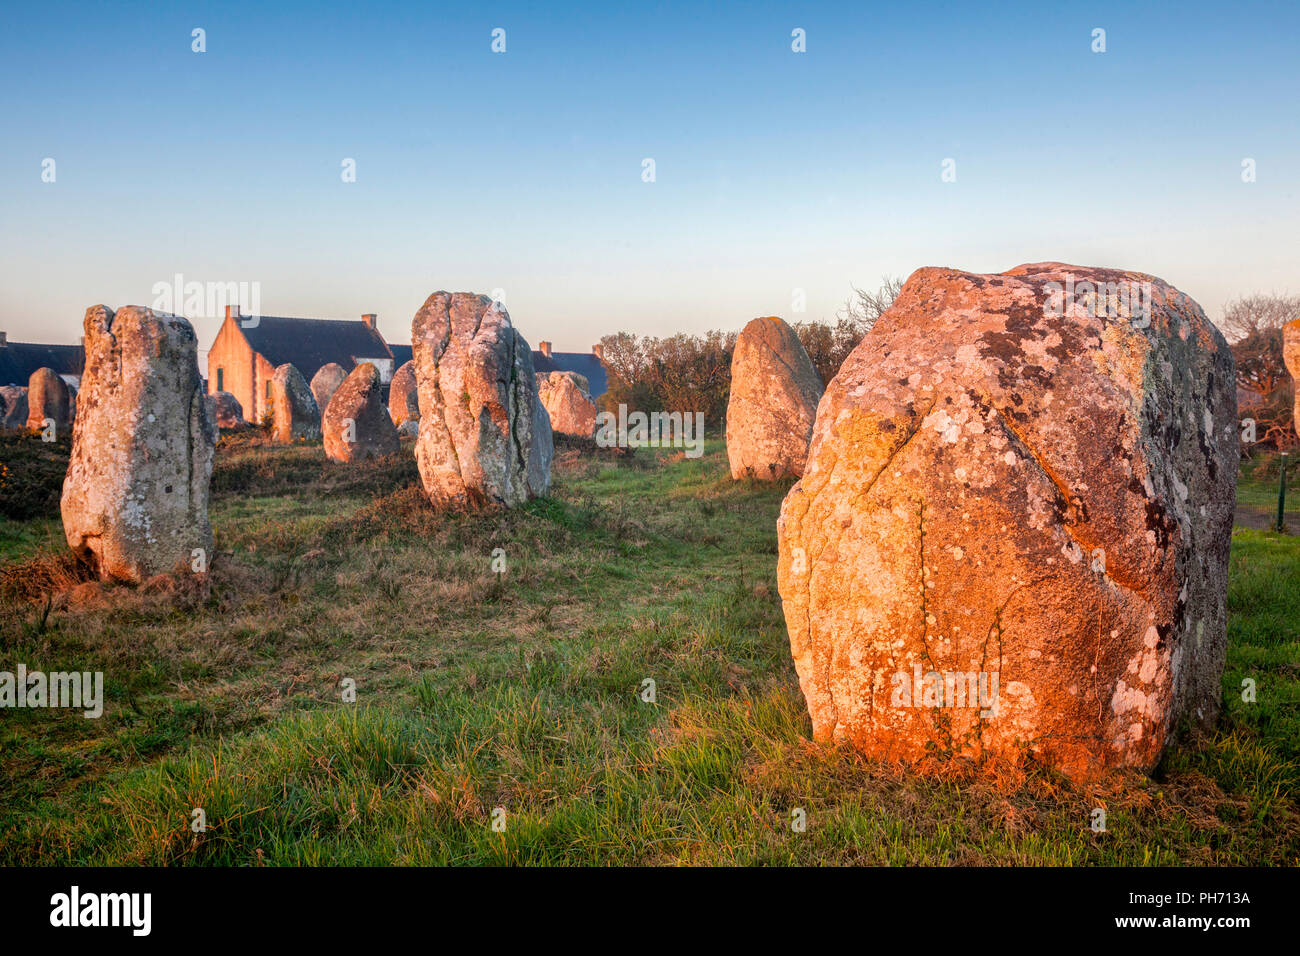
column 544, row 348
column 598, row 350
column 232, row 312
column 369, row 319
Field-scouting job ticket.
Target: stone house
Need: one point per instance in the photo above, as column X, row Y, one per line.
column 545, row 359
column 18, row 360
column 249, row 348
column 590, row 365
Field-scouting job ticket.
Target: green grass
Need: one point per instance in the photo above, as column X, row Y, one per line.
column 22, row 540
column 1257, row 486
column 521, row 692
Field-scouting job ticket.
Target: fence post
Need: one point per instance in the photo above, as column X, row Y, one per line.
column 1281, row 493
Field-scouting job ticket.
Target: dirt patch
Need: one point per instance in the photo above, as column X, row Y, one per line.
column 1262, row 519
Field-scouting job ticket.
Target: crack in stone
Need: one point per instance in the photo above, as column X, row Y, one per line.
column 1073, row 530
column 893, row 453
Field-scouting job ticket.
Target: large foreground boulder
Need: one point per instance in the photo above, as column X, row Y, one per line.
column 1291, row 355
column 484, row 436
column 295, row 415
column 404, row 397
column 13, row 407
column 568, row 402
column 325, row 383
column 356, row 425
column 227, row 410
column 773, row 403
column 135, row 499
column 48, row 399
column 1012, row 532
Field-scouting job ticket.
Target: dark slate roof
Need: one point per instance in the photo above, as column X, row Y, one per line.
column 18, row 360
column 401, row 355
column 307, row 344
column 584, row 363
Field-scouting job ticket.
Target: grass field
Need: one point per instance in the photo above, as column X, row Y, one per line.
column 523, row 691
column 1257, row 491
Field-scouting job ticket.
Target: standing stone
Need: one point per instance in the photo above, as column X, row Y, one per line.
column 135, row 499
column 356, row 425
column 568, row 402
column 48, row 398
column 295, row 415
column 325, row 383
column 1028, row 492
column 485, row 437
column 13, row 407
column 226, row 410
column 773, row 403
column 403, row 396
column 1291, row 355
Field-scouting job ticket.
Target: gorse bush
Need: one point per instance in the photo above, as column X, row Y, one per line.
column 31, row 475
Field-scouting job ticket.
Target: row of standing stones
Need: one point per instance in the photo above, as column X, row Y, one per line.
column 347, row 413
column 45, row 400
column 989, row 486
column 135, row 499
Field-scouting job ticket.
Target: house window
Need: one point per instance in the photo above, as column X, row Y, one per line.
column 221, row 380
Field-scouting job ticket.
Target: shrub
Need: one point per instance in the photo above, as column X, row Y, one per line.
column 692, row 373
column 31, row 475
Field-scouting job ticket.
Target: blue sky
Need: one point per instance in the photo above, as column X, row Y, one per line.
column 522, row 170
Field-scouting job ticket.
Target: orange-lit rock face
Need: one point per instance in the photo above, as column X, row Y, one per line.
column 568, row 402
column 295, row 416
column 356, row 425
column 404, row 396
column 1028, row 493
column 325, row 383
column 773, row 402
column 48, row 399
column 1291, row 355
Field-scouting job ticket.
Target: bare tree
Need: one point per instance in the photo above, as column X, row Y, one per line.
column 1253, row 325
column 693, row 372
column 679, row 373
column 829, row 345
column 1251, row 314
column 865, row 307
